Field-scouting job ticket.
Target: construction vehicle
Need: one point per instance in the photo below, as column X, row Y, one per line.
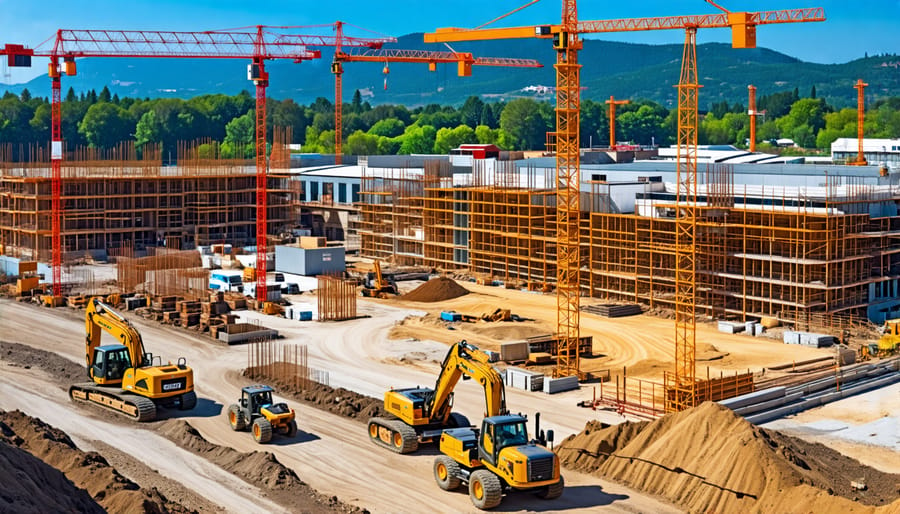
column 888, row 344
column 124, row 377
column 418, row 415
column 498, row 315
column 496, row 459
column 257, row 410
column 380, row 288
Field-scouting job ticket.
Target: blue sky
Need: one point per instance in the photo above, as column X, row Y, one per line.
column 852, row 29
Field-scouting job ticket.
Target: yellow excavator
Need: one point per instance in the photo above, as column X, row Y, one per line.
column 381, row 288
column 124, row 378
column 419, row 414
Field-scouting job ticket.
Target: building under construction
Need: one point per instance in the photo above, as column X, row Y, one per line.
column 793, row 241
column 114, row 202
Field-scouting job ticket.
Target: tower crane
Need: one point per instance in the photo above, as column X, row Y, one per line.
column 751, row 110
column 464, row 61
column 860, row 118
column 566, row 42
column 612, row 119
column 259, row 45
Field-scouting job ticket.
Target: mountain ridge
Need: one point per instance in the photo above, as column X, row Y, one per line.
column 625, row 70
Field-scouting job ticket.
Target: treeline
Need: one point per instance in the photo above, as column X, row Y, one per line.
column 102, row 120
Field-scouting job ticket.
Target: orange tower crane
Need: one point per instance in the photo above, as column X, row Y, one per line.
column 259, row 45
column 464, row 61
column 612, row 119
column 860, row 118
column 565, row 41
column 751, row 110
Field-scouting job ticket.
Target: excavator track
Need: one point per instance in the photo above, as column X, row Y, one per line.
column 133, row 406
column 394, row 435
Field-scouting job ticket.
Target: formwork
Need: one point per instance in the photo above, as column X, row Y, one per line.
column 120, row 202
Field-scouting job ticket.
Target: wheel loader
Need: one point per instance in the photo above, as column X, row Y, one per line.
column 496, row 459
column 264, row 417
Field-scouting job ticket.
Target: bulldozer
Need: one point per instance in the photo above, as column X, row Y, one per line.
column 380, row 287
column 124, row 377
column 419, row 414
column 257, row 410
column 496, row 459
column 887, row 345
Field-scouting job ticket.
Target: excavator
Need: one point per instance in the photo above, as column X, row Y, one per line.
column 124, row 378
column 418, row 415
column 381, row 288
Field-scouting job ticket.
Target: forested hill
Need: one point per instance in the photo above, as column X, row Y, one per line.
column 621, row 69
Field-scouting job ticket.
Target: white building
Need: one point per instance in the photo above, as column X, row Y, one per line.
column 876, row 151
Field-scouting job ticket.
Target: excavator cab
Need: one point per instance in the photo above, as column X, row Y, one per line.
column 109, row 364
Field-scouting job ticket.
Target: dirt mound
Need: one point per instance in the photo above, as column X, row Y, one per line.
column 90, row 475
column 65, row 370
column 343, row 402
column 708, row 459
column 436, row 290
column 31, row 486
column 259, row 468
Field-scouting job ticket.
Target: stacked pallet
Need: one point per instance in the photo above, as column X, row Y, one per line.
column 612, row 310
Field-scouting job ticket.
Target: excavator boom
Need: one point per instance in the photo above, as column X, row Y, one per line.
column 420, row 414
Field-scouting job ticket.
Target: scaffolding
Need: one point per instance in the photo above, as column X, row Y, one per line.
column 808, row 256
column 119, row 202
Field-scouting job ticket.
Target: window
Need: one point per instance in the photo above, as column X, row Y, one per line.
column 342, row 193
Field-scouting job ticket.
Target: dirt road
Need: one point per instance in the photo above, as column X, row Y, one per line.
column 331, row 453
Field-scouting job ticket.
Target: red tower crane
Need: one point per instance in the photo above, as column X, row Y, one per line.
column 464, row 61
column 566, row 42
column 259, row 45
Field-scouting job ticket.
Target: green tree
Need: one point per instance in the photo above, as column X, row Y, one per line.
column 643, row 125
column 241, row 131
column 805, row 119
column 487, row 117
column 526, row 123
column 417, row 140
column 360, row 143
column 486, row 135
column 390, row 127
column 105, row 96
column 448, row 139
column 837, row 124
column 470, row 112
column 105, row 125
column 148, row 130
column 356, row 103
column 388, row 145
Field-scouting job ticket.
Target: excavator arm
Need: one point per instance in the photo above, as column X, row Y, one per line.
column 100, row 317
column 464, row 359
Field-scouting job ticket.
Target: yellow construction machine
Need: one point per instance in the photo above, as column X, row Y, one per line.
column 887, row 345
column 124, row 378
column 257, row 410
column 380, row 288
column 420, row 414
column 496, row 459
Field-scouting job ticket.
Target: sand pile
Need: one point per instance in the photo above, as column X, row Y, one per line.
column 436, row 290
column 95, row 485
column 708, row 459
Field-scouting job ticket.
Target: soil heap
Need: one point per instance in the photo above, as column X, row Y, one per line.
column 708, row 459
column 436, row 290
column 43, row 471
